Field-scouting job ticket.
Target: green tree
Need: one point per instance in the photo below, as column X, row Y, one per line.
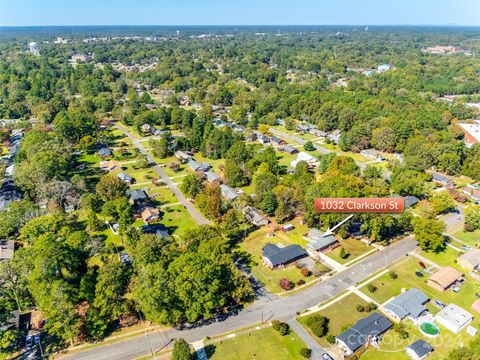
column 429, row 233
column 110, row 187
column 181, row 350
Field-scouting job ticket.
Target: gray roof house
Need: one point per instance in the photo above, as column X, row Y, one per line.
column 289, row 149
column 196, row 166
column 126, row 178
column 137, row 196
column 274, row 256
column 419, row 349
column 228, row 193
column 318, row 242
column 442, row 179
column 105, row 153
column 254, row 216
column 410, row 201
column 364, row 330
column 211, row 177
column 408, row 304
column 277, row 141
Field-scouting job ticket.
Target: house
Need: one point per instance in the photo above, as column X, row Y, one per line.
column 319, row 242
column 303, row 156
column 239, row 128
column 146, row 128
column 371, row 153
column 471, row 133
column 363, row 332
column 150, row 214
column 317, row 132
column 262, row 139
column 419, row 349
column 7, row 249
column 476, row 306
column 228, row 193
column 454, row 318
column 182, row 156
column 289, row 149
column 444, row 278
column 470, row 260
column 105, row 153
column 473, row 191
column 111, row 165
column 442, row 179
column 150, row 106
column 287, row 227
column 276, row 141
column 383, row 68
column 211, row 177
column 158, row 230
column 410, row 201
column 137, row 196
column 254, row 216
column 126, row 178
column 274, row 256
column 408, row 304
column 196, row 166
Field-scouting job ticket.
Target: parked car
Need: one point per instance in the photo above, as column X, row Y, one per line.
column 456, row 289
column 466, row 247
column 326, row 356
column 440, row 304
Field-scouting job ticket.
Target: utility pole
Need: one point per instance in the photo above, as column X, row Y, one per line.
column 148, row 339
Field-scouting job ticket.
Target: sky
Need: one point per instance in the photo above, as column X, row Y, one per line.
column 239, row 12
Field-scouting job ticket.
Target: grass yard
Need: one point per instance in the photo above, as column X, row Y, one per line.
column 470, row 238
column 388, row 288
column 342, row 314
column 177, row 220
column 443, row 258
column 263, row 344
column 353, row 247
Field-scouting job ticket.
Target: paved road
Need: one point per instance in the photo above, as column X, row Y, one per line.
column 264, row 310
column 196, row 215
column 317, row 350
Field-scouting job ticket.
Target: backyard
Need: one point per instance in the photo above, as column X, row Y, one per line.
column 263, row 344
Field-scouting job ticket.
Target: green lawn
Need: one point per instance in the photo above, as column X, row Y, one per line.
column 270, row 278
column 177, row 220
column 353, row 247
column 388, row 288
column 342, row 314
column 470, row 238
column 444, row 258
column 263, row 344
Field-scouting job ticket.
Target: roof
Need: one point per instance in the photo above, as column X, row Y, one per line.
column 410, row 201
column 255, row 216
column 303, row 156
column 408, row 303
column 211, row 176
column 137, row 194
column 441, row 178
column 194, row 165
column 472, row 257
column 7, row 248
column 124, row 177
column 420, row 348
column 472, row 129
column 455, row 315
column 446, row 276
column 289, row 149
column 282, row 255
column 370, row 152
column 149, row 212
column 228, row 192
column 357, row 335
column 104, row 152
column 318, row 240
column 476, row 306
column 276, row 139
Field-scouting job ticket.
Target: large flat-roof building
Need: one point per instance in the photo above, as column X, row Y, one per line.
column 454, row 318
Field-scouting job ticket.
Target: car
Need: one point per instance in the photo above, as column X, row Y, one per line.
column 440, row 304
column 455, row 289
column 29, row 341
column 326, row 356
column 466, row 247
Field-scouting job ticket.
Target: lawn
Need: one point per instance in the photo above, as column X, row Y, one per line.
column 470, row 238
column 263, row 344
column 353, row 247
column 177, row 220
column 388, row 288
column 270, row 278
column 342, row 314
column 443, row 258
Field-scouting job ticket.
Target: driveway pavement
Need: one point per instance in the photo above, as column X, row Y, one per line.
column 195, row 214
column 283, row 308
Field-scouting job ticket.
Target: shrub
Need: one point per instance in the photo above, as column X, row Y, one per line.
column 360, row 308
column 330, row 339
column 306, row 272
column 285, row 284
column 309, row 146
column 300, row 282
column 393, row 275
column 370, row 307
column 400, row 329
column 306, row 353
column 343, row 253
column 282, row 328
column 318, row 324
column 372, row 288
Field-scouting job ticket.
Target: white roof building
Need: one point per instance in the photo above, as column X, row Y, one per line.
column 303, row 156
column 472, row 133
column 454, row 318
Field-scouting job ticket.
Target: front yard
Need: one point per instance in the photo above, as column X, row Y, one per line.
column 353, row 248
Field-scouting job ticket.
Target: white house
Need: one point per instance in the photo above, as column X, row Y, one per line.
column 303, row 156
column 454, row 318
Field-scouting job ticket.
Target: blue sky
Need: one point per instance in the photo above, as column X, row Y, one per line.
column 238, row 12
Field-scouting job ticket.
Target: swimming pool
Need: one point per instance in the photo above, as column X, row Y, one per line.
column 429, row 329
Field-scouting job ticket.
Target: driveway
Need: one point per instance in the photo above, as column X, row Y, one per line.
column 194, row 213
column 284, row 309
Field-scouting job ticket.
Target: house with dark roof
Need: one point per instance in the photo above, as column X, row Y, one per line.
column 137, row 196
column 211, row 177
column 419, row 350
column 319, row 242
column 410, row 201
column 363, row 332
column 277, row 141
column 126, row 178
column 442, row 179
column 289, row 149
column 408, row 304
column 228, row 192
column 105, row 153
column 274, row 256
column 254, row 216
column 182, row 156
column 198, row 166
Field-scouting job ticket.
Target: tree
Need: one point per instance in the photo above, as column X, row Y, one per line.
column 282, row 328
column 111, row 187
column 210, row 201
column 371, row 288
column 429, row 233
column 181, row 350
column 472, row 217
column 306, row 353
column 192, row 185
column 442, row 202
column 308, row 146
column 285, row 284
column 318, row 324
